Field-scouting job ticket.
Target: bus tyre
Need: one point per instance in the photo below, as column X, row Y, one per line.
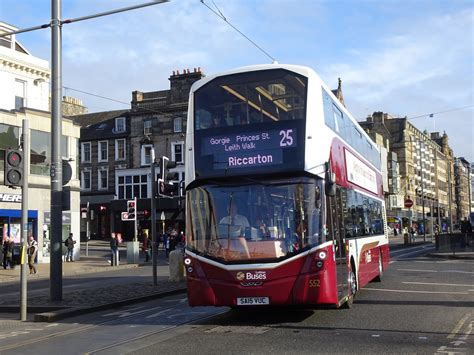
column 352, row 290
column 378, row 278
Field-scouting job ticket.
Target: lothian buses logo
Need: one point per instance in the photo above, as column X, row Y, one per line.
column 251, row 275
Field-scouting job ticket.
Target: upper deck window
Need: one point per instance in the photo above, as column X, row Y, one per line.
column 252, row 97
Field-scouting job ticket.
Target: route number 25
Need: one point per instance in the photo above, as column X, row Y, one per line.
column 286, row 138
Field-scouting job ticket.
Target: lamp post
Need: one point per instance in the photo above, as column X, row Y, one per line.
column 56, row 130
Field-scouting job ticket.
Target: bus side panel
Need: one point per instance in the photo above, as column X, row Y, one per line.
column 385, row 255
column 317, row 285
column 368, row 263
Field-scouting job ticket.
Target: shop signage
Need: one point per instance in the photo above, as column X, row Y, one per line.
column 10, row 197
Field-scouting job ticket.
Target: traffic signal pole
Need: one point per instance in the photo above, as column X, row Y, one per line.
column 24, row 220
column 154, row 246
column 56, row 265
column 135, row 232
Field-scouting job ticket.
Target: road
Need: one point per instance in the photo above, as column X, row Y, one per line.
column 424, row 305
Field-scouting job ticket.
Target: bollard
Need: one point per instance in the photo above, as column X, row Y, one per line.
column 176, row 266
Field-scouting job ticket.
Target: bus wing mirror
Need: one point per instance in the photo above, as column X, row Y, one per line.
column 330, row 183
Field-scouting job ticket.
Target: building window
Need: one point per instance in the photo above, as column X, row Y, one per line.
column 177, row 124
column 119, row 124
column 103, row 179
column 86, row 152
column 146, row 154
column 85, row 180
column 20, row 94
column 120, row 147
column 147, row 127
column 130, row 186
column 177, row 152
column 103, row 151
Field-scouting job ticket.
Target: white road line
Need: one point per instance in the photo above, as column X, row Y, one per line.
column 416, row 270
column 436, row 284
column 410, row 291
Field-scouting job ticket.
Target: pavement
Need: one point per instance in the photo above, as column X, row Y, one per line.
column 90, row 298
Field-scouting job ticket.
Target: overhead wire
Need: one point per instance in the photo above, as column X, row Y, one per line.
column 440, row 112
column 114, row 100
column 219, row 14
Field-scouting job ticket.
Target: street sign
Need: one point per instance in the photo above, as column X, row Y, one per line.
column 125, row 216
column 408, row 203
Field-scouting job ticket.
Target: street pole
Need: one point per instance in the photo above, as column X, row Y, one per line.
column 154, row 247
column 135, row 222
column 56, row 265
column 449, row 199
column 88, row 230
column 24, row 220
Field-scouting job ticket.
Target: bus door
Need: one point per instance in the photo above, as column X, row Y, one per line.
column 336, row 217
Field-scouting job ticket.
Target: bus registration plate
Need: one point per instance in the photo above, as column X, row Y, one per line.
column 252, row 301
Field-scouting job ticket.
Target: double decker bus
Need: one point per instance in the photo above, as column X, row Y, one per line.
column 284, row 198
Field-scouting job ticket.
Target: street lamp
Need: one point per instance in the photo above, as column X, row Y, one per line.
column 56, row 130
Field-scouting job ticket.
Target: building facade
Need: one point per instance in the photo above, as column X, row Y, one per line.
column 155, row 125
column 24, row 94
column 462, row 189
column 423, row 181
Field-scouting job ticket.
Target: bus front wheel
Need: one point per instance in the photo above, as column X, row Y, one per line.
column 352, row 289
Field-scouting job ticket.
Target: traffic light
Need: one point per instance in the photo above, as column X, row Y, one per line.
column 165, row 166
column 13, row 167
column 131, row 210
column 165, row 189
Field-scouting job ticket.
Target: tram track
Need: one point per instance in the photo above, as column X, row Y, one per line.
column 122, row 318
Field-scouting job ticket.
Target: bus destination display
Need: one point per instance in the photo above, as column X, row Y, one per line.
column 235, row 153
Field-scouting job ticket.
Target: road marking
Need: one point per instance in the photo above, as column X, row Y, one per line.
column 416, row 270
column 52, row 325
column 436, row 284
column 410, row 291
column 458, row 326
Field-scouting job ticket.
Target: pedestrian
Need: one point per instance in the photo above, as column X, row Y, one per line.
column 69, row 243
column 166, row 244
column 114, row 257
column 466, row 228
column 4, row 251
column 32, row 250
column 10, row 246
column 146, row 246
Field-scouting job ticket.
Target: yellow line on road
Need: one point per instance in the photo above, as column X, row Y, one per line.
column 459, row 326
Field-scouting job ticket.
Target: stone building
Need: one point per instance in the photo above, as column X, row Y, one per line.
column 155, row 123
column 462, row 188
column 105, row 148
column 422, row 165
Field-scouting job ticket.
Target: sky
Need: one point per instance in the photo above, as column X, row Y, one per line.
column 407, row 58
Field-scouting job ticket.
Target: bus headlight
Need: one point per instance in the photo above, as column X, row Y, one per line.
column 187, row 261
column 322, row 254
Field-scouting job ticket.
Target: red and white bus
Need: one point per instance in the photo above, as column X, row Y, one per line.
column 284, row 198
